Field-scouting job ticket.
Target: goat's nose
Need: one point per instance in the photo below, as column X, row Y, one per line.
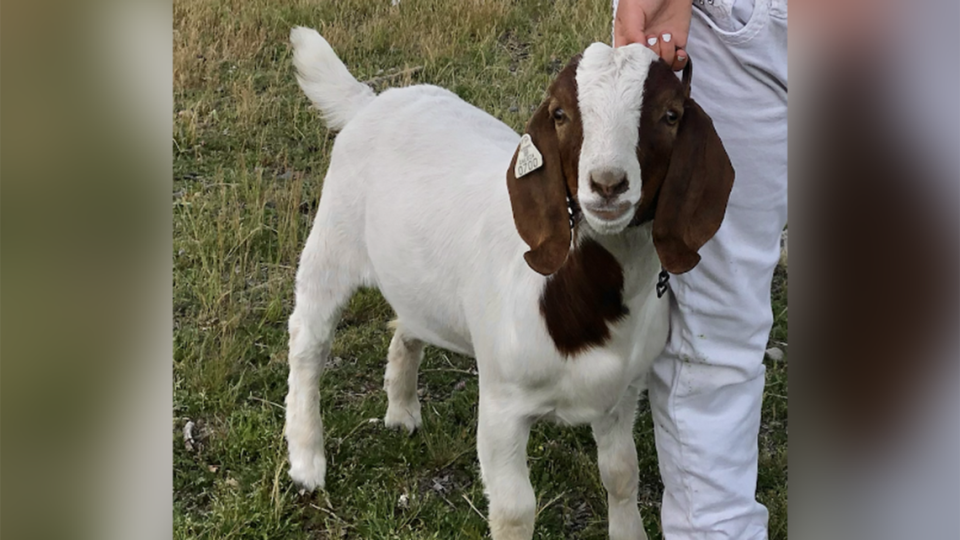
column 609, row 183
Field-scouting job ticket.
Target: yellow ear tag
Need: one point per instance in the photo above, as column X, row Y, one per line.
column 528, row 157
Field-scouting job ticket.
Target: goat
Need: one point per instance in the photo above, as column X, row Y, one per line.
column 542, row 266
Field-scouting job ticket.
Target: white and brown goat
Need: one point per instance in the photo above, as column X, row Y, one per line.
column 545, row 271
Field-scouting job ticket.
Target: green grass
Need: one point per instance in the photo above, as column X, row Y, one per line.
column 249, row 158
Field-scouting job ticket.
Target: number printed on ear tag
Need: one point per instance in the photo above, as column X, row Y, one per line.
column 528, row 157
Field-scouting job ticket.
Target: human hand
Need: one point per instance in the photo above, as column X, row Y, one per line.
column 663, row 25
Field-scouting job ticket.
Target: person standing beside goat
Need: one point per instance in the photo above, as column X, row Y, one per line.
column 706, row 388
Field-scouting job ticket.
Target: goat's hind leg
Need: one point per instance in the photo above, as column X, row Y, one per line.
column 400, row 381
column 326, row 280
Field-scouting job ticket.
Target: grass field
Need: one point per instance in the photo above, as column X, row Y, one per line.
column 249, row 159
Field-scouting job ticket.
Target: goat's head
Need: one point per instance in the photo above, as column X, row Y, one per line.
column 619, row 134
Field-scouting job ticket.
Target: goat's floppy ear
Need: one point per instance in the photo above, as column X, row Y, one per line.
column 693, row 197
column 539, row 195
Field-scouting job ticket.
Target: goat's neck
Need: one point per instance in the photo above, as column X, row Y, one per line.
column 634, row 250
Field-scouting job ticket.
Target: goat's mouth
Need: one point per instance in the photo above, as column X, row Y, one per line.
column 607, row 218
column 608, row 211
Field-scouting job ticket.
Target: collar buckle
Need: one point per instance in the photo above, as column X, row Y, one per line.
column 662, row 281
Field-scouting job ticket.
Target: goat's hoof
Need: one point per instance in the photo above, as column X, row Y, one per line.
column 308, row 471
column 403, row 416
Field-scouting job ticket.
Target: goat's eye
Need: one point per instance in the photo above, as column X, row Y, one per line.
column 559, row 115
column 672, row 117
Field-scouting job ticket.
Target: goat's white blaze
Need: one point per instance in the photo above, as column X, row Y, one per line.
column 610, row 93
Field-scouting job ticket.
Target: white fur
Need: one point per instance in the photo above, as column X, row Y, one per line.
column 415, row 203
column 325, row 79
column 610, row 87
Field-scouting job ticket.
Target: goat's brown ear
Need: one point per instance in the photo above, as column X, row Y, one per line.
column 693, row 197
column 539, row 198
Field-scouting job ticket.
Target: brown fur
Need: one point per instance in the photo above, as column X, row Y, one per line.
column 582, row 298
column 687, row 175
column 539, row 199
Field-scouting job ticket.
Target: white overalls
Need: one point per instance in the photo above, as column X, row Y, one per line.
column 706, row 388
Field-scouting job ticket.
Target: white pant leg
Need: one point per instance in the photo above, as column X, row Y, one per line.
column 707, row 387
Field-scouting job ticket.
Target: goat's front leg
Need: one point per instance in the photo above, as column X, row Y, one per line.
column 617, row 457
column 502, row 447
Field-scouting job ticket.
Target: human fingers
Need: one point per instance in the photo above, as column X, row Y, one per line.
column 668, row 48
column 629, row 23
column 679, row 39
column 653, row 42
column 680, row 61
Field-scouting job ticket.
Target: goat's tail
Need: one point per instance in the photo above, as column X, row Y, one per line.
column 325, row 80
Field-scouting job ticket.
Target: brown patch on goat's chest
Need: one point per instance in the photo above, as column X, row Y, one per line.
column 583, row 298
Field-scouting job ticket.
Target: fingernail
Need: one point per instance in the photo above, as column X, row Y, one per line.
column 651, row 41
column 666, row 38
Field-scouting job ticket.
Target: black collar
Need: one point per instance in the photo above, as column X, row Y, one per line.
column 573, row 210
